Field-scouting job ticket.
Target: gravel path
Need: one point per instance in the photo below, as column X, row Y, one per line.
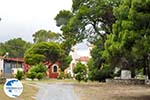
column 56, row 91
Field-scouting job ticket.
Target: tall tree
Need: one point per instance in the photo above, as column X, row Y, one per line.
column 15, row 47
column 90, row 19
column 43, row 51
column 45, row 36
column 95, row 16
column 47, row 51
column 131, row 33
column 69, row 31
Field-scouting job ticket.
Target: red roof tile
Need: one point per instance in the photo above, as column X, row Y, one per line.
column 84, row 58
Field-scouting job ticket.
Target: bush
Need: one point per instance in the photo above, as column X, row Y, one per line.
column 19, row 75
column 39, row 68
column 37, row 71
column 68, row 76
column 31, row 75
column 78, row 77
column 39, row 76
column 80, row 72
column 101, row 74
column 61, row 75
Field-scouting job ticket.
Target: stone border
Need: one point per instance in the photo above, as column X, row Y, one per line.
column 125, row 81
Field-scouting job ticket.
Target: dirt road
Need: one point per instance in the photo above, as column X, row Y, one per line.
column 57, row 91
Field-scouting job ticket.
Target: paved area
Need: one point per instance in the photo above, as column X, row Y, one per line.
column 58, row 91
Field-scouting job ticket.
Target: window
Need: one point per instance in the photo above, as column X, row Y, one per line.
column 55, row 69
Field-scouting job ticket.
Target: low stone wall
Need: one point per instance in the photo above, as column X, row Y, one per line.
column 125, row 81
column 2, row 80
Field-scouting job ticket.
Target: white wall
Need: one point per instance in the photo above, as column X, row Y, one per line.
column 1, row 63
column 1, row 66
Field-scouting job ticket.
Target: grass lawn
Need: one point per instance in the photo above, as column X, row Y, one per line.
column 28, row 92
column 103, row 91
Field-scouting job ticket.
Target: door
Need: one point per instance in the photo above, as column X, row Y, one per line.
column 7, row 69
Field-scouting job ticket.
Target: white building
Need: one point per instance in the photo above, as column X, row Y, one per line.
column 79, row 54
column 9, row 66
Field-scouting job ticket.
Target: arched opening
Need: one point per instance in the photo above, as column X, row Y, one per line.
column 55, row 69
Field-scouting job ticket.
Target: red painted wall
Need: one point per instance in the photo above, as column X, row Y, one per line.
column 53, row 74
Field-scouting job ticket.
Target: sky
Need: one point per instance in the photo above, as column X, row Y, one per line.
column 22, row 18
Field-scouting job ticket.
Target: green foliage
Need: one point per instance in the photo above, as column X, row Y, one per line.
column 128, row 46
column 32, row 75
column 68, row 76
column 47, row 51
column 99, row 74
column 37, row 71
column 45, row 36
column 39, row 68
column 79, row 77
column 88, row 19
column 43, row 51
column 96, row 14
column 19, row 75
column 80, row 72
column 61, row 75
column 106, row 72
column 97, row 52
column 39, row 76
column 15, row 47
column 63, row 17
column 65, row 61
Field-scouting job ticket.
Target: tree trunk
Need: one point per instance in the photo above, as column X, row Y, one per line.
column 148, row 67
column 145, row 65
column 132, row 72
column 146, row 71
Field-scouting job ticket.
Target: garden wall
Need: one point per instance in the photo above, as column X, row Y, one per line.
column 125, row 81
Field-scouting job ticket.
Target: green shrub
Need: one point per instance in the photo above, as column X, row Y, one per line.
column 19, row 75
column 39, row 68
column 101, row 74
column 80, row 72
column 68, row 76
column 39, row 76
column 37, row 71
column 61, row 75
column 78, row 77
column 31, row 75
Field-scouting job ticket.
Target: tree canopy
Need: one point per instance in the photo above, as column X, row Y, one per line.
column 90, row 19
column 119, row 29
column 15, row 47
column 129, row 42
column 47, row 51
column 45, row 36
column 43, row 51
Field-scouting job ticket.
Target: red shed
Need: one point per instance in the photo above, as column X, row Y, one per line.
column 53, row 69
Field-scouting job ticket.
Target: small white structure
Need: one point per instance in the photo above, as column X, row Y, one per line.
column 74, row 55
column 125, row 74
column 1, row 65
column 78, row 56
column 10, row 66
